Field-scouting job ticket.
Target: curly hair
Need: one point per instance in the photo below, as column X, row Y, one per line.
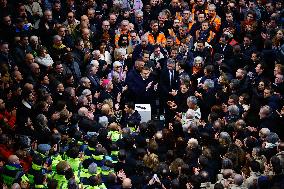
column 151, row 161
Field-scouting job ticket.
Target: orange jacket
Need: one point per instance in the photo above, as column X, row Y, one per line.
column 178, row 41
column 161, row 39
column 215, row 22
column 172, row 34
column 117, row 36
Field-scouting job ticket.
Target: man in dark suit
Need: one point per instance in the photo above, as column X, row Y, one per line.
column 86, row 121
column 92, row 75
column 132, row 77
column 168, row 82
column 223, row 47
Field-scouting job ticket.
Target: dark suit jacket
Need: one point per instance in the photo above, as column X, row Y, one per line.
column 132, row 77
column 138, row 50
column 227, row 51
column 95, row 82
column 164, row 85
column 87, row 125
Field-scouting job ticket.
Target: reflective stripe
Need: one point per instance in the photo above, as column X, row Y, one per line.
column 40, row 186
column 98, row 157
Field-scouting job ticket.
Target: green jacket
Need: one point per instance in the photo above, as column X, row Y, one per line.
column 55, row 160
column 11, row 173
column 102, row 186
column 62, row 181
column 115, row 135
column 75, row 163
column 34, row 170
column 41, row 186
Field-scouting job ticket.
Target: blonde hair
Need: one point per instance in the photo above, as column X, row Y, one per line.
column 151, row 161
column 192, row 143
column 114, row 127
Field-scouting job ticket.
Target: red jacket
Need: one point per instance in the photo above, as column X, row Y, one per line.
column 7, row 120
column 5, row 152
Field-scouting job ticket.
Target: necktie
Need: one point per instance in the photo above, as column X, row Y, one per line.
column 171, row 76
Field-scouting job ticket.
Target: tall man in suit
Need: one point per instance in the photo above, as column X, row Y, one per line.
column 168, row 82
column 92, row 70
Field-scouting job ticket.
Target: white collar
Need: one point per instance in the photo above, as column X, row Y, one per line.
column 26, row 104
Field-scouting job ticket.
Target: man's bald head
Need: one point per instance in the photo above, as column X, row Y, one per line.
column 35, row 68
column 15, row 186
column 238, row 179
column 29, row 58
column 126, row 183
column 13, row 159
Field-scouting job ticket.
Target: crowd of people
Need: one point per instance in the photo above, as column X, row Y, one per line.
column 71, row 73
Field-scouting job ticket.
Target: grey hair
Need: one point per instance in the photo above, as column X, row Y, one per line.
column 41, row 121
column 233, row 110
column 82, row 111
column 225, row 136
column 68, row 90
column 241, row 123
column 264, row 131
column 81, row 99
column 139, row 12
column 144, row 38
column 198, row 58
column 33, row 38
column 184, row 77
column 257, row 150
column 170, row 61
column 238, row 179
column 192, row 142
column 120, row 51
column 57, row 37
column 95, row 63
column 124, row 21
column 212, row 6
column 83, row 79
column 209, row 83
column 192, row 99
column 190, row 114
column 163, row 13
column 103, row 121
